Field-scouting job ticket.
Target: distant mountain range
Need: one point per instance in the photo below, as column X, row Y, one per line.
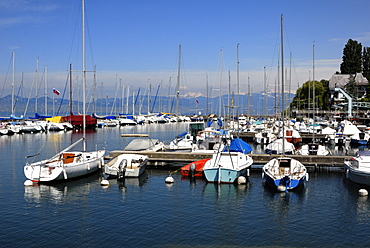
column 259, row 104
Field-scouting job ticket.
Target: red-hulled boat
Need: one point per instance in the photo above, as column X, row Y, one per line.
column 77, row 120
column 194, row 169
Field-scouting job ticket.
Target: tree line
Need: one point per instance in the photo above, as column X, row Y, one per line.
column 355, row 59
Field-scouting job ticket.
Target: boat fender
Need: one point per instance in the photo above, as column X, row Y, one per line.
column 28, row 183
column 281, row 188
column 242, row 180
column 307, row 176
column 65, row 174
column 88, row 166
column 363, row 192
column 248, row 173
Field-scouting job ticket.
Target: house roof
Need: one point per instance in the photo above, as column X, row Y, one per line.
column 340, row 80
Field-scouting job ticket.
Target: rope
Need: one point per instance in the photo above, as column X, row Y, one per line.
column 175, row 171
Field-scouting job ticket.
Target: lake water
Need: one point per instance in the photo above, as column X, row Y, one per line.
column 147, row 212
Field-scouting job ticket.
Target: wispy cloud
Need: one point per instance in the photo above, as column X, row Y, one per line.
column 17, row 12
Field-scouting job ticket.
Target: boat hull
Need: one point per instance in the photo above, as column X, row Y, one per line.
column 75, row 164
column 356, row 175
column 223, row 175
column 186, row 171
column 132, row 165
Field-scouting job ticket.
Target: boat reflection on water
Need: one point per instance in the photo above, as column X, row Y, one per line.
column 226, row 192
column 63, row 191
column 273, row 195
column 70, row 191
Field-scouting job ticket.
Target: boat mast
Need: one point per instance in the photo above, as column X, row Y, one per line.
column 220, row 104
column 45, row 90
column 178, row 83
column 70, row 89
column 237, row 82
column 13, row 54
column 282, row 78
column 84, row 76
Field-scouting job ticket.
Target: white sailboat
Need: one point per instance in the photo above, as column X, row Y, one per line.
column 68, row 164
column 284, row 173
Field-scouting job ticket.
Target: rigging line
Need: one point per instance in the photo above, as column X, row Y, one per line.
column 64, row 92
column 6, row 77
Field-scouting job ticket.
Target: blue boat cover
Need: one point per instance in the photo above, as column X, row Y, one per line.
column 362, row 153
column 181, row 134
column 238, row 145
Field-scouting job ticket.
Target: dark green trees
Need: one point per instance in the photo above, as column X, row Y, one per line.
column 304, row 96
column 352, row 58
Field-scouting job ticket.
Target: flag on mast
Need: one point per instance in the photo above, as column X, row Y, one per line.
column 56, row 92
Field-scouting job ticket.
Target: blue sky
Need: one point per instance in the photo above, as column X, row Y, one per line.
column 136, row 42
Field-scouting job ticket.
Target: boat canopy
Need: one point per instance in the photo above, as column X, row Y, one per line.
column 362, row 153
column 238, row 145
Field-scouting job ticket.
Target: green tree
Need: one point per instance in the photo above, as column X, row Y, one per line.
column 366, row 63
column 352, row 58
column 304, row 96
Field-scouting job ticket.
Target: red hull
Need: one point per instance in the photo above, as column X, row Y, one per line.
column 185, row 170
column 77, row 120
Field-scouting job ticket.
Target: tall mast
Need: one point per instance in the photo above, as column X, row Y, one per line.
column 220, row 104
column 178, row 83
column 45, row 90
column 237, row 81
column 282, row 78
column 13, row 54
column 84, row 75
column 37, row 78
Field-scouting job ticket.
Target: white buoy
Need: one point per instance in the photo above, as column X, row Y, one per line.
column 104, row 182
column 281, row 188
column 169, row 179
column 363, row 192
column 28, row 183
column 242, row 180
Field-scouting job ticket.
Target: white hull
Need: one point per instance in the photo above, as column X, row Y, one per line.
column 132, row 165
column 65, row 166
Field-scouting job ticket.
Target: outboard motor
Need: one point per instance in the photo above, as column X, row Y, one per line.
column 122, row 170
column 192, row 170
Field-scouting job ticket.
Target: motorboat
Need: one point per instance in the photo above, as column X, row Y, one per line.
column 276, row 147
column 360, row 139
column 313, row 149
column 143, row 142
column 126, row 165
column 194, row 169
column 284, row 173
column 228, row 164
column 357, row 169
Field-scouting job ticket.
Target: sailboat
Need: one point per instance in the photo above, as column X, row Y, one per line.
column 284, row 173
column 228, row 164
column 68, row 164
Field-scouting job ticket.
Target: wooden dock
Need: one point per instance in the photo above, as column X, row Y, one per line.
column 259, row 159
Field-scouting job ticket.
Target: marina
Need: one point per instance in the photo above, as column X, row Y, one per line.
column 146, row 210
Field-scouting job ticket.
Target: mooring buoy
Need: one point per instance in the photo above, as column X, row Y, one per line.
column 104, row 182
column 169, row 179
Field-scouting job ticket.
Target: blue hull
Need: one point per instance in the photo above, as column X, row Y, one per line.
column 288, row 183
column 223, row 175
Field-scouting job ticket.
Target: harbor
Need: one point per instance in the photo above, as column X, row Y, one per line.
column 146, row 207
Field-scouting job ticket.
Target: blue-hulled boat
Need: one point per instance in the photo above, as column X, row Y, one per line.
column 284, row 173
column 227, row 165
